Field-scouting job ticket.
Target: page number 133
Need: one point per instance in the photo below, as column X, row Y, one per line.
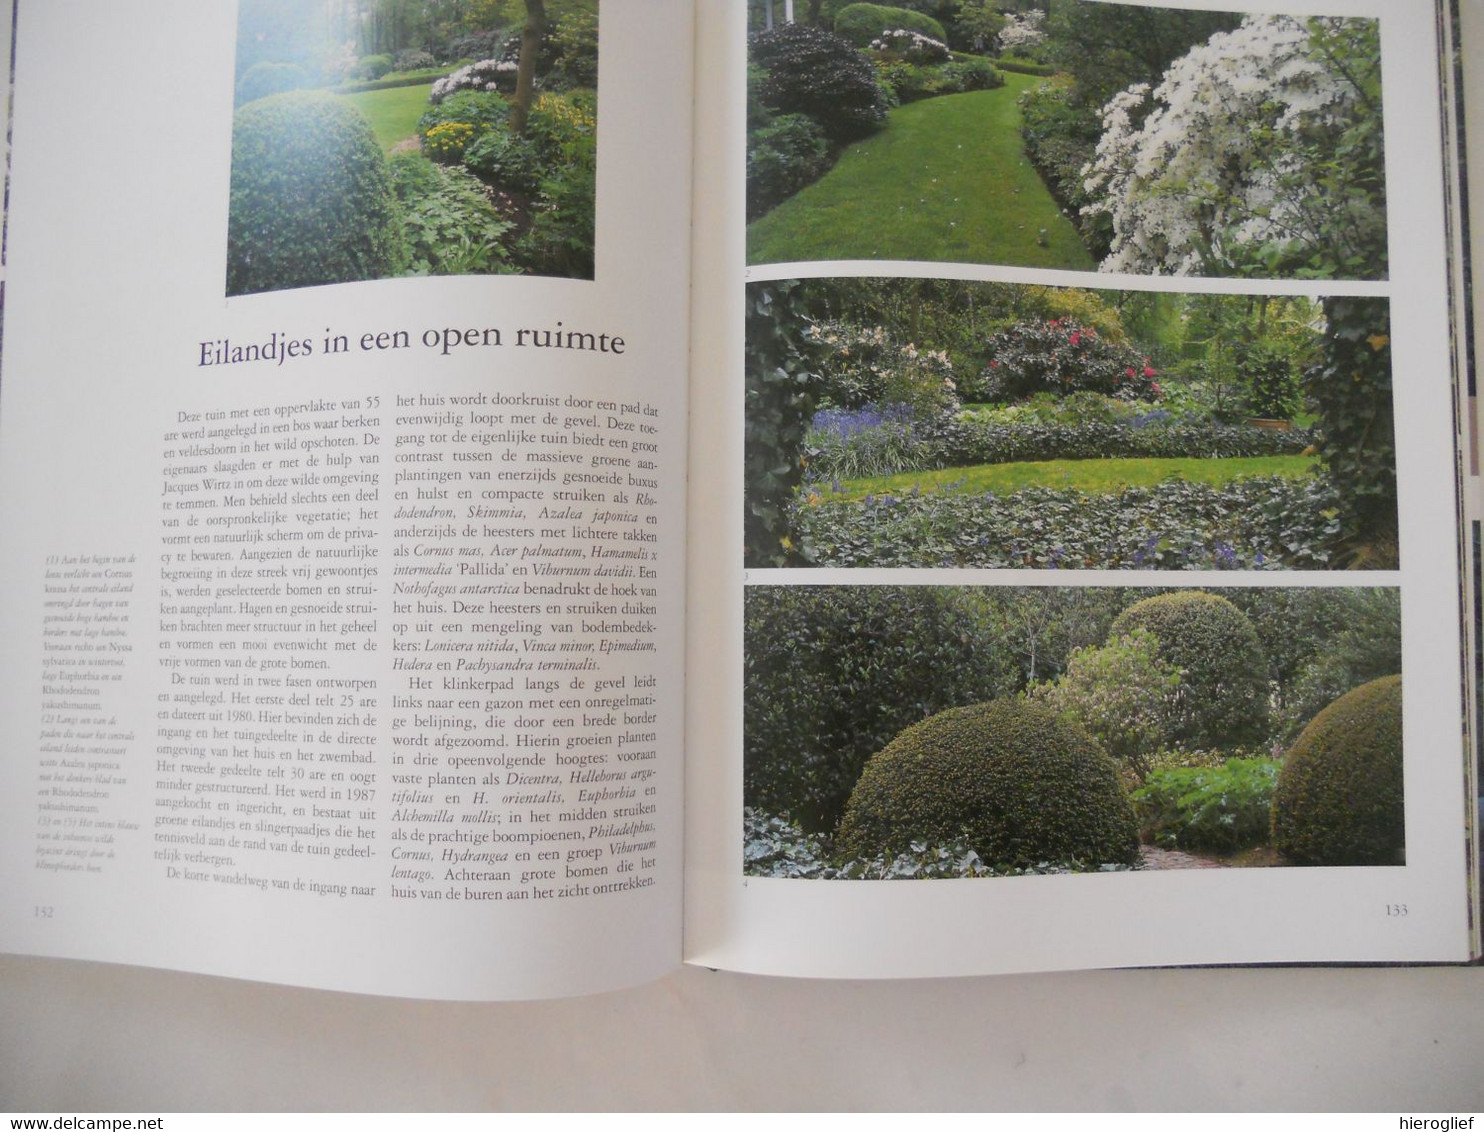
column 1396, row 911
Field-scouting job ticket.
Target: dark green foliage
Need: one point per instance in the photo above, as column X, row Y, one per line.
column 910, row 82
column 575, row 39
column 782, row 157
column 450, row 226
column 1222, row 701
column 1296, row 625
column 1365, row 645
column 1271, row 385
column 263, row 79
column 1339, row 797
column 926, row 445
column 1109, row 47
column 780, row 368
column 394, row 80
column 1213, row 809
column 505, row 160
column 1259, row 523
column 311, row 198
column 1061, row 137
column 815, row 72
column 560, row 239
column 1022, row 67
column 1061, row 356
column 1018, row 784
column 483, row 109
column 373, row 67
column 832, row 673
column 861, row 23
column 1351, row 391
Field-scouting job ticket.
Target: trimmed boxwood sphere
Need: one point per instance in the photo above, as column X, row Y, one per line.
column 1222, row 700
column 1339, row 797
column 1020, row 785
column 311, row 199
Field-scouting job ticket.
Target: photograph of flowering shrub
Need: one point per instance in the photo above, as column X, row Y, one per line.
column 382, row 138
column 896, row 732
column 945, row 423
column 1110, row 136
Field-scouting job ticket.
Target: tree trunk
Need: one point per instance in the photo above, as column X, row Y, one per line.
column 525, row 76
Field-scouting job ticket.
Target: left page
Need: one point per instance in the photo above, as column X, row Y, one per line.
column 342, row 452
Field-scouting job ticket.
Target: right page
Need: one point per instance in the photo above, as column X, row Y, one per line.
column 1075, row 562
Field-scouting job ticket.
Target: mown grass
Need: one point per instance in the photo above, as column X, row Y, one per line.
column 393, row 113
column 1093, row 476
column 946, row 179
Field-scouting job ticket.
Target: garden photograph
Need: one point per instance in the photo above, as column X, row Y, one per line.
column 902, row 732
column 1066, row 134
column 380, row 138
column 945, row 423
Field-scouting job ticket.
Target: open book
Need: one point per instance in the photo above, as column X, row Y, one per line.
column 503, row 498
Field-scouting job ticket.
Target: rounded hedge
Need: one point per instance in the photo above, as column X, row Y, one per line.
column 311, row 199
column 832, row 673
column 262, row 79
column 861, row 23
column 1339, row 796
column 1222, row 701
column 815, row 72
column 1020, row 785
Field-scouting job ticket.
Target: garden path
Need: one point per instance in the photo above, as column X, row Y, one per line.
column 947, row 179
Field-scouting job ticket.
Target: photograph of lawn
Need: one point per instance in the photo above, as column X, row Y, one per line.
column 945, row 423
column 383, row 138
column 896, row 732
column 1130, row 139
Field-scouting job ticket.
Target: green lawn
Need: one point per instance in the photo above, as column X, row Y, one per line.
column 945, row 180
column 393, row 113
column 1095, row 476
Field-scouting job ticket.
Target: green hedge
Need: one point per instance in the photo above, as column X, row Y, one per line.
column 311, row 198
column 861, row 23
column 1020, row 785
column 1339, row 798
column 1222, row 701
column 410, row 78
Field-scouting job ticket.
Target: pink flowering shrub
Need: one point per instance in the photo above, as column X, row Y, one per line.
column 1061, row 356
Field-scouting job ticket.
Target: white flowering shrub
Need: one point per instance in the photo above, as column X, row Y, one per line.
column 912, row 46
column 1258, row 153
column 486, row 74
column 1026, row 30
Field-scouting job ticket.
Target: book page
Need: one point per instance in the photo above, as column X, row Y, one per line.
column 1085, row 386
column 344, row 428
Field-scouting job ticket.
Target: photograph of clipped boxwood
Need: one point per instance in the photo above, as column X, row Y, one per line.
column 1121, row 137
column 945, row 423
column 383, row 138
column 922, row 731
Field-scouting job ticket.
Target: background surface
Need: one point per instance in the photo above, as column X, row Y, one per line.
column 81, row 1037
